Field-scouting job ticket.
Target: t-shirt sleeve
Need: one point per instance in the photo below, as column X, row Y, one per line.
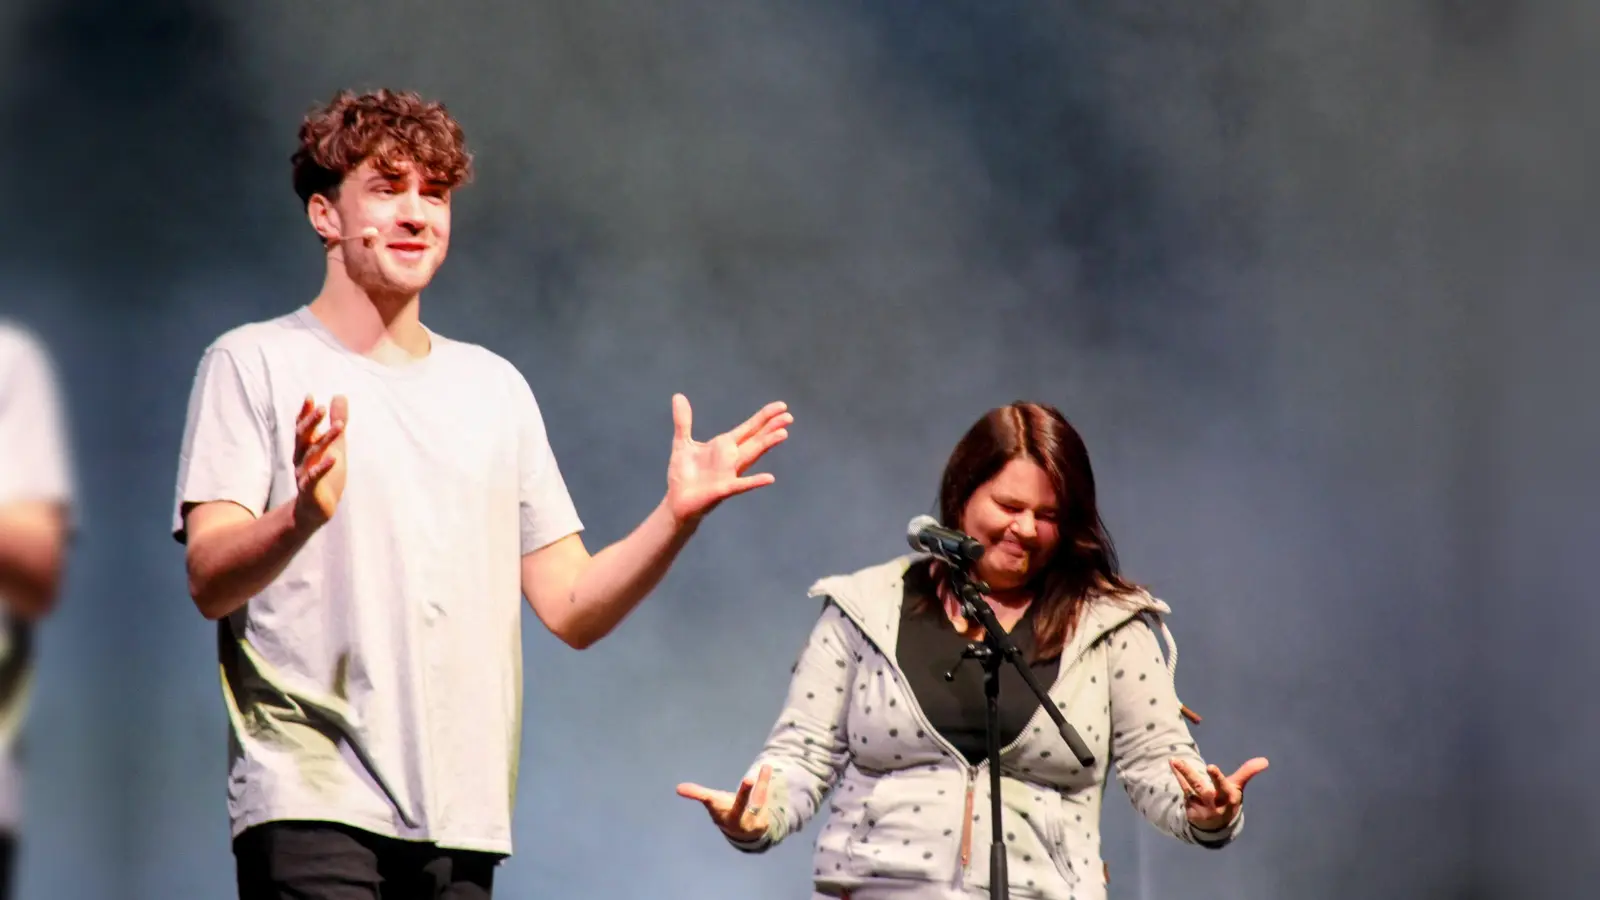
column 227, row 439
column 34, row 449
column 547, row 511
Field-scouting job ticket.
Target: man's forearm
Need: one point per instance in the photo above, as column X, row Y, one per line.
column 232, row 563
column 31, row 552
column 621, row 575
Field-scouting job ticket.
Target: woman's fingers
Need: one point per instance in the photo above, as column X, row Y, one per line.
column 1188, row 779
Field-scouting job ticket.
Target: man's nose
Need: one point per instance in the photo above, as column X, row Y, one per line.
column 409, row 214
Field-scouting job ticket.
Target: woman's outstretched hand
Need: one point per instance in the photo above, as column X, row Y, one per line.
column 742, row 815
column 1213, row 805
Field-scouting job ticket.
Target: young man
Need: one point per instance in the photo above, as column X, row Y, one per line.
column 35, row 493
column 364, row 503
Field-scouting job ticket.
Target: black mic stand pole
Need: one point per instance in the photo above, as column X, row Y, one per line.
column 995, row 649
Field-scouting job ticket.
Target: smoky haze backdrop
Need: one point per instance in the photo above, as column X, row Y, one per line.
column 1312, row 279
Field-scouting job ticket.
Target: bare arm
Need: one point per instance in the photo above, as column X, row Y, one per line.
column 35, row 479
column 581, row 598
column 32, row 548
column 233, row 555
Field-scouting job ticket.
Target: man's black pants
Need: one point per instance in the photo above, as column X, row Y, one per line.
column 329, row 861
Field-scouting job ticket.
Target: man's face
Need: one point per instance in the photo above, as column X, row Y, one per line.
column 412, row 222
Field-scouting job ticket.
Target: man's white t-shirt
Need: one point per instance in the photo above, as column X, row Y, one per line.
column 377, row 682
column 34, row 467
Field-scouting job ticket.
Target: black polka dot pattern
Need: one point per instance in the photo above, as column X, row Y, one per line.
column 1131, row 722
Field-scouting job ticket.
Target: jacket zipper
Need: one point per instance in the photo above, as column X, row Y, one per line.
column 972, row 771
column 966, row 822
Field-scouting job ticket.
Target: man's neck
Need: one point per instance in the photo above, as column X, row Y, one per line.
column 387, row 329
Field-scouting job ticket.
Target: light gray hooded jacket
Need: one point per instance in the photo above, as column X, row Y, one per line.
column 905, row 806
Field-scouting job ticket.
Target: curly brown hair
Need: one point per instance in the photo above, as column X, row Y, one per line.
column 395, row 129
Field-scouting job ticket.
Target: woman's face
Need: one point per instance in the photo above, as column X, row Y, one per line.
column 1014, row 516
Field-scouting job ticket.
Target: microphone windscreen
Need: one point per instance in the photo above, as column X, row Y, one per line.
column 919, row 523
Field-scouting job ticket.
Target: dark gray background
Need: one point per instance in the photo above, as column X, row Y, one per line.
column 1314, row 279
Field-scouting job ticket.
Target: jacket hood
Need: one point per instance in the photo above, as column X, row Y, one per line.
column 871, row 597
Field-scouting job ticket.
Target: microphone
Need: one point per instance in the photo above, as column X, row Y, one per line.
column 926, row 534
column 367, row 236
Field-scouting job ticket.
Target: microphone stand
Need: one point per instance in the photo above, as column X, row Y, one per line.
column 995, row 649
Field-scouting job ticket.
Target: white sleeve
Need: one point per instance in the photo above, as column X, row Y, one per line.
column 1148, row 730
column 809, row 747
column 34, row 450
column 227, row 451
column 547, row 510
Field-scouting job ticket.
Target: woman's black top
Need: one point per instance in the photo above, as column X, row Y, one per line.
column 928, row 647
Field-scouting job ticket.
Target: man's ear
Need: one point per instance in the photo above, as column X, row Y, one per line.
column 324, row 218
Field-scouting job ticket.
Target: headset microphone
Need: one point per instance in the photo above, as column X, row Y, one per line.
column 368, row 236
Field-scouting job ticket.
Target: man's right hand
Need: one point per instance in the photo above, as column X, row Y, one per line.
column 319, row 462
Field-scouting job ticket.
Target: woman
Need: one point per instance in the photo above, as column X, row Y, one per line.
column 873, row 727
